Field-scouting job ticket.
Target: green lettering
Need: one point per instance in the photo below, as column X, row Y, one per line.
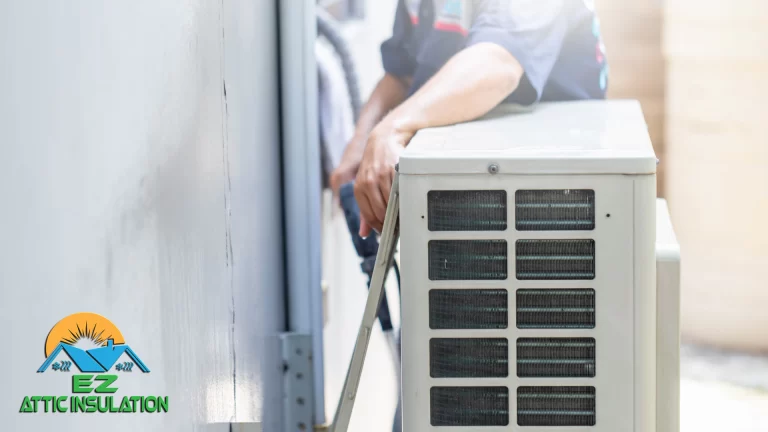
column 162, row 404
column 103, row 407
column 147, row 407
column 35, row 400
column 136, row 401
column 77, row 403
column 46, row 400
column 81, row 383
column 91, row 402
column 26, row 405
column 60, row 404
column 104, row 387
column 112, row 407
column 125, row 406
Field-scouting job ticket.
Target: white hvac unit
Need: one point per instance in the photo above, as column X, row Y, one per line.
column 529, row 280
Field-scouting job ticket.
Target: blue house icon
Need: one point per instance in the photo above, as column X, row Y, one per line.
column 96, row 360
column 107, row 356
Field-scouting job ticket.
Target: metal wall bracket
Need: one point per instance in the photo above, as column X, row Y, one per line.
column 245, row 427
column 298, row 403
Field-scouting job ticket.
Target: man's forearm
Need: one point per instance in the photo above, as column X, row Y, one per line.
column 389, row 93
column 468, row 86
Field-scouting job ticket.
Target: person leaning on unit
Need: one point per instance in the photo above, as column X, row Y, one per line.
column 451, row 61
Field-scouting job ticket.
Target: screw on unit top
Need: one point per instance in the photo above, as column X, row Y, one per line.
column 493, row 168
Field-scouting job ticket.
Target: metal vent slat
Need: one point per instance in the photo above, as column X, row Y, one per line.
column 468, row 358
column 556, row 406
column 555, row 308
column 467, row 259
column 467, row 210
column 468, row 309
column 555, row 259
column 469, row 406
column 556, row 357
column 555, row 210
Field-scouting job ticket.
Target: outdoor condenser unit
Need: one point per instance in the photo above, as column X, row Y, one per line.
column 529, row 275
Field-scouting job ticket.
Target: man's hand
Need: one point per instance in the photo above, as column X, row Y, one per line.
column 376, row 173
column 468, row 86
column 389, row 92
column 346, row 171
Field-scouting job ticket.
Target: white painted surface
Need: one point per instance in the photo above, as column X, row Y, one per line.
column 668, row 322
column 133, row 187
column 622, row 376
column 582, row 137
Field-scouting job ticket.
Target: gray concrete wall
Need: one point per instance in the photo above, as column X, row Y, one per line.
column 139, row 179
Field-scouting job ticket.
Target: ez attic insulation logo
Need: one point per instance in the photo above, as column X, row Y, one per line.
column 91, row 344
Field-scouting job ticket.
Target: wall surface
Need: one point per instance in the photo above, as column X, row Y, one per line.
column 139, row 180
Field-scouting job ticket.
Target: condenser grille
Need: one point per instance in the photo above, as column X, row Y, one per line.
column 468, row 309
column 468, row 358
column 555, row 259
column 556, row 357
column 469, row 406
column 556, row 406
column 555, row 210
column 467, row 210
column 555, row 308
column 467, row 259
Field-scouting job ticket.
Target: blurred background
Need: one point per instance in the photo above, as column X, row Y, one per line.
column 698, row 69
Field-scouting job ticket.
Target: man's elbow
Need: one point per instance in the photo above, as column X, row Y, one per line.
column 507, row 72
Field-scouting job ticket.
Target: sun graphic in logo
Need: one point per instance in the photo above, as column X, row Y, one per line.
column 83, row 330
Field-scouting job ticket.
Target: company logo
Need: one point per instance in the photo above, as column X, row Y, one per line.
column 92, row 345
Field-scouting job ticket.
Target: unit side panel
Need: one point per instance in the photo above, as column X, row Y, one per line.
column 612, row 285
column 645, row 302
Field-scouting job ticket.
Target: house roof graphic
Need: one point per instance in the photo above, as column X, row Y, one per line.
column 96, row 360
column 108, row 355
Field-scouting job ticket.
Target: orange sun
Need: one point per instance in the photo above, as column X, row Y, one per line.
column 83, row 325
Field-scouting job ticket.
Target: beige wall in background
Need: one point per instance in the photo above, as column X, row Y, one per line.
column 717, row 148
column 631, row 32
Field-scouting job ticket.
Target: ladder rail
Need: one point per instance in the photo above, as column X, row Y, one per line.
column 384, row 259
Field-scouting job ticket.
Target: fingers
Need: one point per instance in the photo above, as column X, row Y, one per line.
column 339, row 176
column 385, row 185
column 365, row 229
column 363, row 197
column 378, row 202
column 372, row 192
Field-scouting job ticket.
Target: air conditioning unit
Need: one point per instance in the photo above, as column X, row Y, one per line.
column 529, row 294
column 531, row 298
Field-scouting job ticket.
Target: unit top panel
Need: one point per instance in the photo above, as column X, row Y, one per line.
column 582, row 137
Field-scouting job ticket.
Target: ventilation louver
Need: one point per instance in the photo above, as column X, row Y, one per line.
column 468, row 358
column 555, row 210
column 467, row 210
column 468, row 309
column 556, row 357
column 469, row 406
column 555, row 308
column 467, row 259
column 555, row 259
column 556, row 406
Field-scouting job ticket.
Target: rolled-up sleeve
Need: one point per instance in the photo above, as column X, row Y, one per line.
column 395, row 56
column 533, row 31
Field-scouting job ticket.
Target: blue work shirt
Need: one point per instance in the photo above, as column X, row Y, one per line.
column 557, row 42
